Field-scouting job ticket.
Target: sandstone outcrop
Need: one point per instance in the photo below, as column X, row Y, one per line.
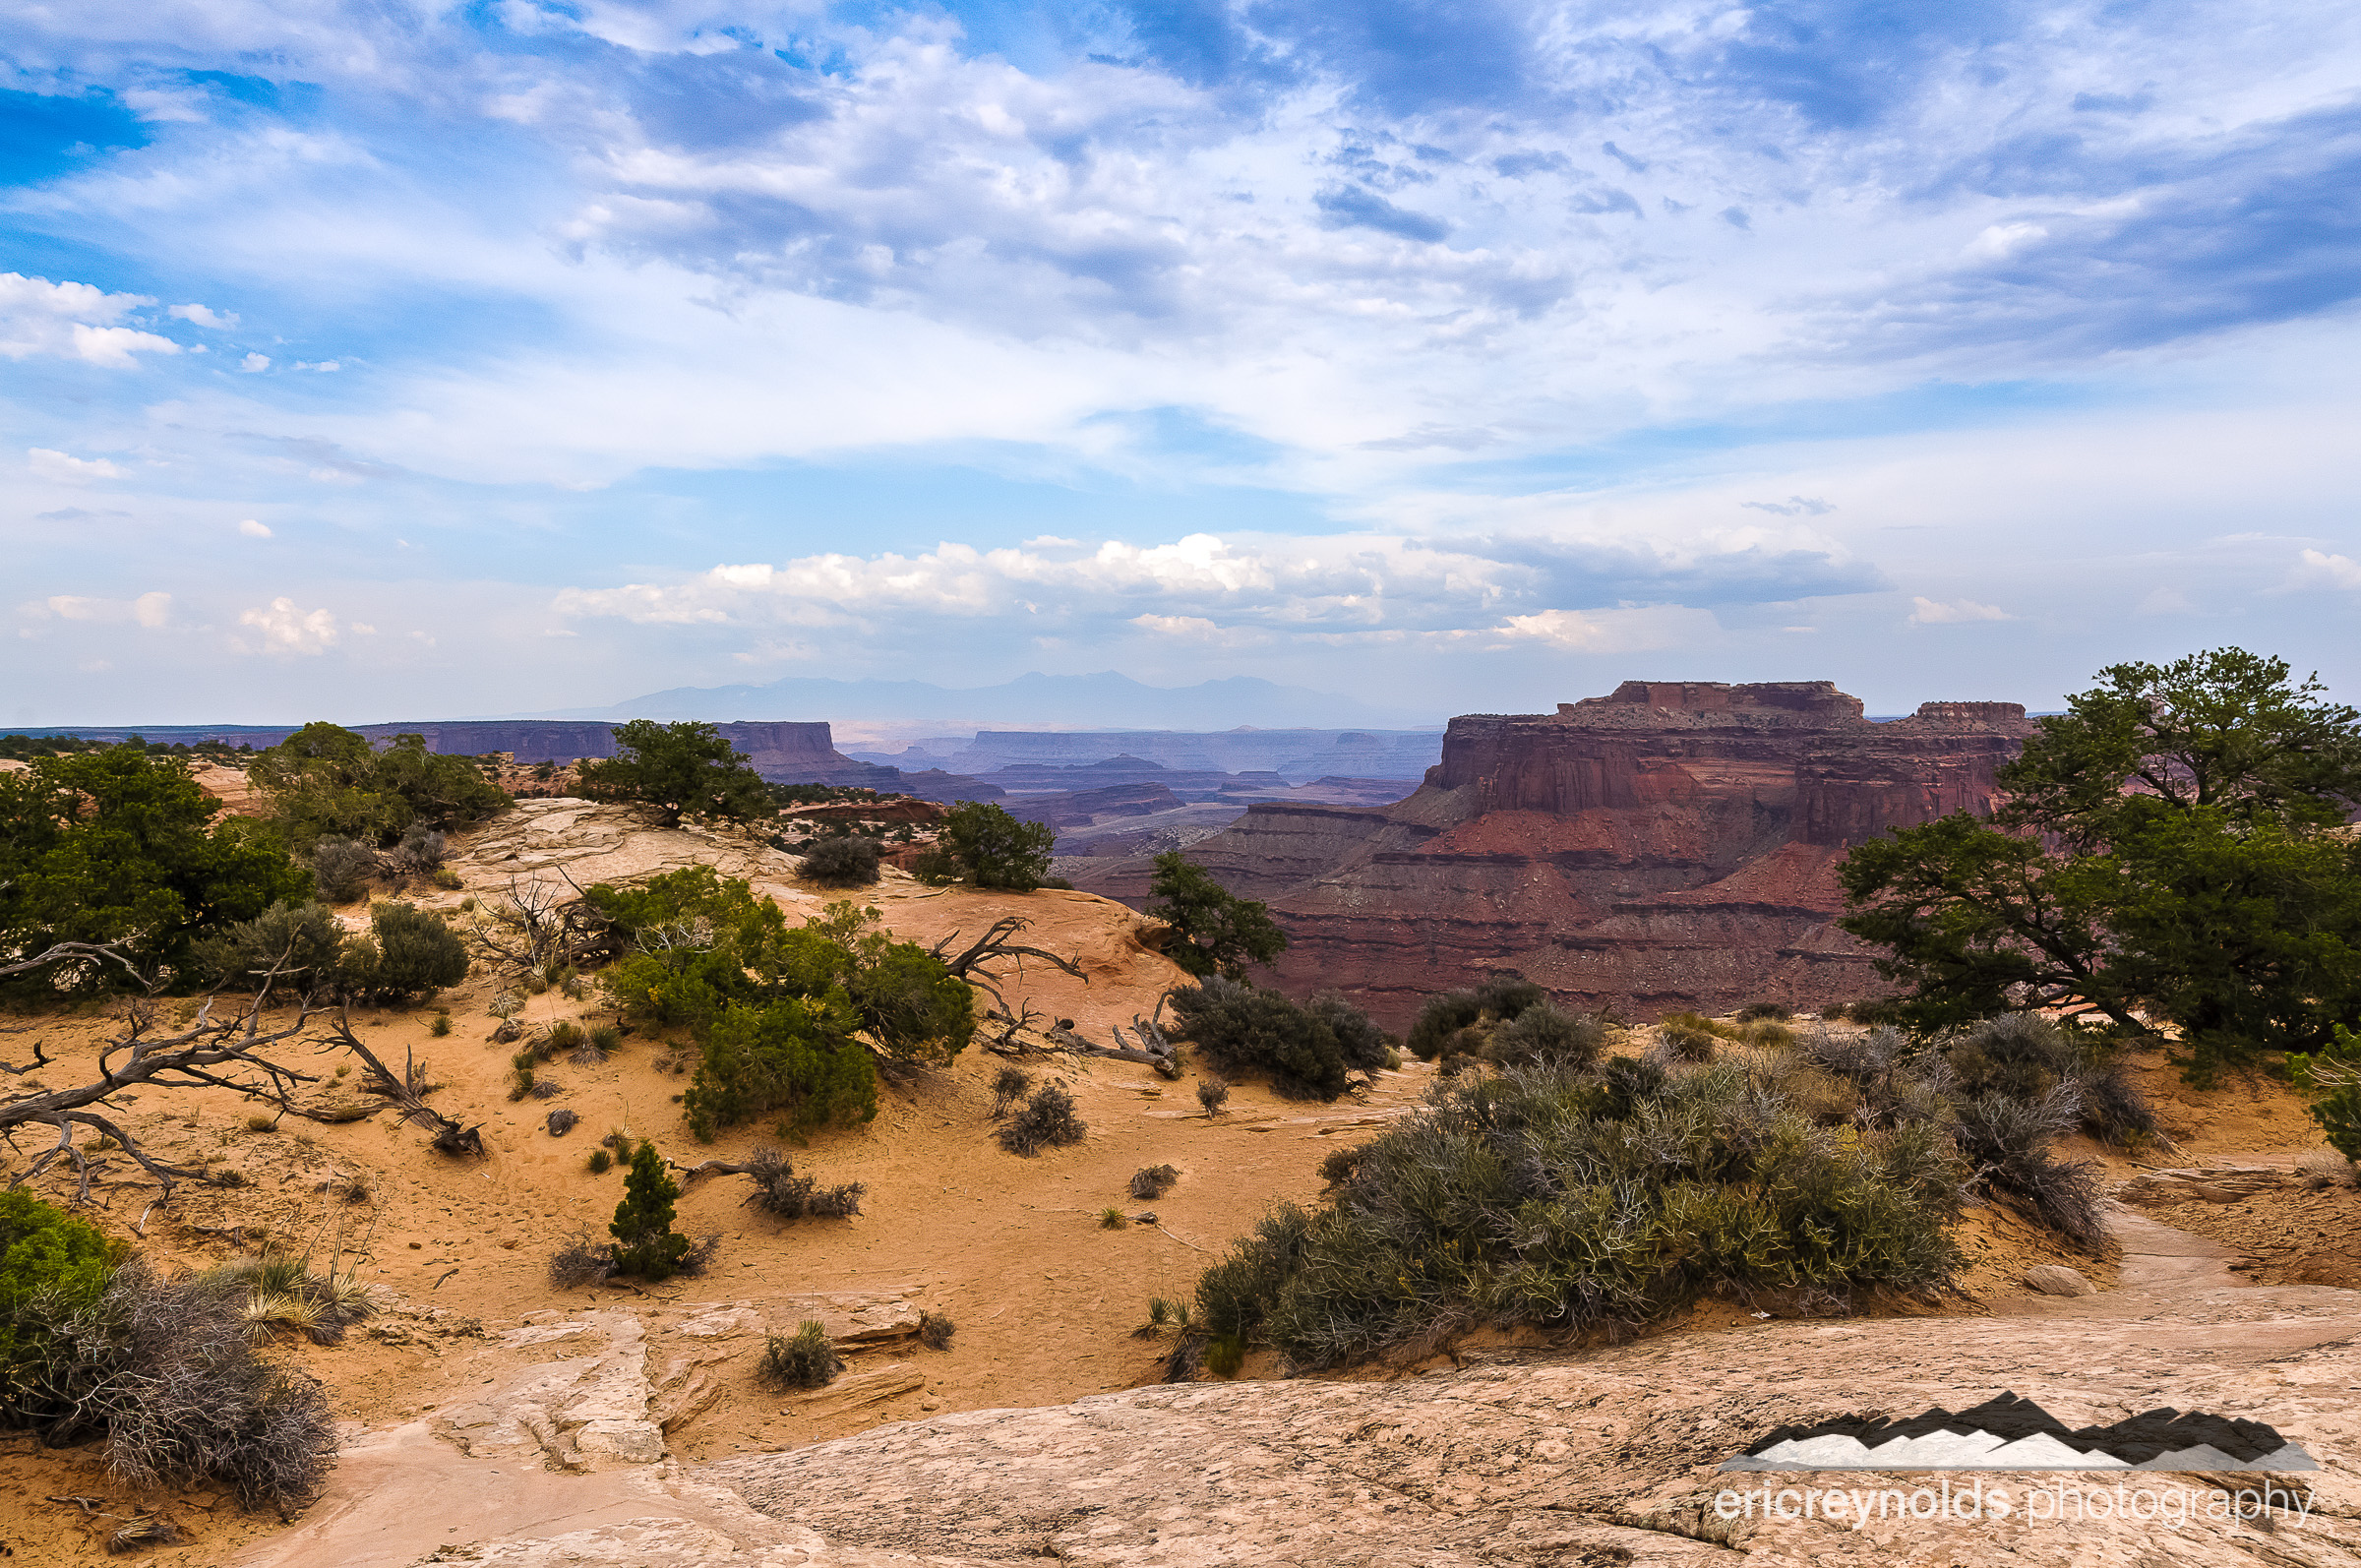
column 1520, row 1460
column 1670, row 845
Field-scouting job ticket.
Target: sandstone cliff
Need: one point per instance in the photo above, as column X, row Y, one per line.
column 1670, row 845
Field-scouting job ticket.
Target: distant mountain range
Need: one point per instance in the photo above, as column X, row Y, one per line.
column 1105, row 700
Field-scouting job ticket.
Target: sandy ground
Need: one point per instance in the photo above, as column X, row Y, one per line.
column 1010, row 1249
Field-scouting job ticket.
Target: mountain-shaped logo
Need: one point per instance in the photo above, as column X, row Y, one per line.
column 2012, row 1433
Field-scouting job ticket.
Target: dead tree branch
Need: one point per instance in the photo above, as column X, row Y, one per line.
column 406, row 1095
column 970, row 964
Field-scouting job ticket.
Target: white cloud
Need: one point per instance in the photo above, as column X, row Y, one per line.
column 152, row 610
column 1611, row 631
column 201, row 315
column 1954, row 612
column 324, row 365
column 2315, row 568
column 57, row 465
column 287, row 630
column 254, row 529
column 2165, row 601
column 73, row 320
column 255, row 364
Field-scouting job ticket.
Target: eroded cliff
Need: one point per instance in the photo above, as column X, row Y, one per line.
column 1670, row 845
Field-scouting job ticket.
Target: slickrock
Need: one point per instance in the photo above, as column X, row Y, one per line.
column 1673, row 844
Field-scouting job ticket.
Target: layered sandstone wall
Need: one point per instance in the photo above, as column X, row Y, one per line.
column 1668, row 846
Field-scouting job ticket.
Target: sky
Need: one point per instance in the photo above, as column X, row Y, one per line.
column 375, row 360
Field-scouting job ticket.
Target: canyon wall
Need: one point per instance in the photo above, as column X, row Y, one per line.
column 1670, row 845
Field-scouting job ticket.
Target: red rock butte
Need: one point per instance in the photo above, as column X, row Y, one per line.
column 1671, row 845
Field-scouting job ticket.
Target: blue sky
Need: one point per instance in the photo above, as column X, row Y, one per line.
column 397, row 361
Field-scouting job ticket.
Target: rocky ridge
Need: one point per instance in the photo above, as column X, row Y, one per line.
column 1668, row 846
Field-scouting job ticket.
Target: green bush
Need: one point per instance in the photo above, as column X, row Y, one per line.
column 1579, row 1200
column 114, row 846
column 841, row 861
column 2334, row 1076
column 983, row 844
column 647, row 1246
column 326, row 782
column 408, row 953
column 1543, row 1036
column 302, row 942
column 1459, row 1023
column 1307, row 1052
column 51, row 1267
column 787, row 1055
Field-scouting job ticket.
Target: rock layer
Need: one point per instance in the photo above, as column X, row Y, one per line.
column 1670, row 845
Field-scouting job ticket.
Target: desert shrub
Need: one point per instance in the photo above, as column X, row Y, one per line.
column 1112, row 1218
column 439, row 1025
column 600, row 1163
column 805, row 1359
column 409, row 952
column 1047, row 1121
column 785, row 1056
column 1008, row 1086
column 647, row 1246
column 2332, row 1076
column 841, row 861
column 1153, row 1181
column 1339, row 1164
column 1458, row 1023
column 783, row 1194
column 52, row 1266
column 1307, row 1052
column 562, row 1121
column 1767, row 1033
column 341, row 868
column 1551, row 1196
column 2028, row 1058
column 300, row 942
column 1757, row 1010
column 1212, row 1094
column 1688, row 1037
column 420, row 850
column 935, row 1329
column 165, row 1369
column 581, row 1260
column 1542, row 1036
column 2009, row 1140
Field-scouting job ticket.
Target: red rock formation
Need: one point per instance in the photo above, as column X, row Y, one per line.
column 1670, row 845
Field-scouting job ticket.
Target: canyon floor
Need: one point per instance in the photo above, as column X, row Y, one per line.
column 490, row 1418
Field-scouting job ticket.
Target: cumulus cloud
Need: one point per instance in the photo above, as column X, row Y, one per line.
column 287, row 630
column 1953, row 612
column 254, row 529
column 73, row 320
column 2317, row 569
column 46, row 463
column 201, row 315
column 255, row 364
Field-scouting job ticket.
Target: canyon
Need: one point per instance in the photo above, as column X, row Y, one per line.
column 1670, row 845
